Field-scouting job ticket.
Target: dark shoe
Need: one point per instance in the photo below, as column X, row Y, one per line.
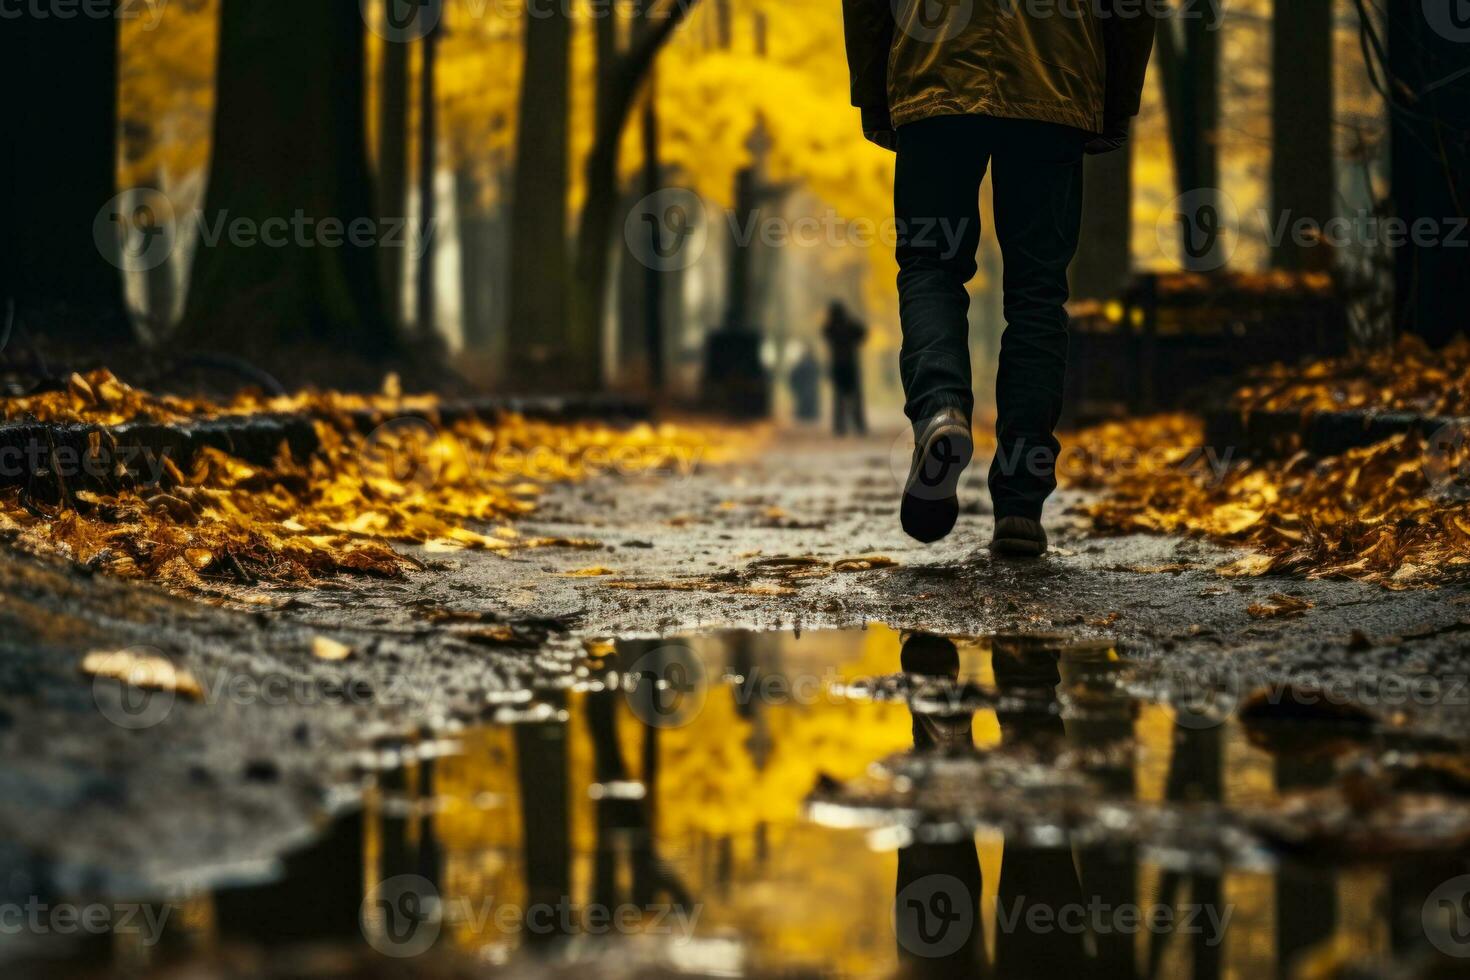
column 930, row 498
column 1018, row 537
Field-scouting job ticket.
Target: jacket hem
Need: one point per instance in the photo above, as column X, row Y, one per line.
column 1052, row 112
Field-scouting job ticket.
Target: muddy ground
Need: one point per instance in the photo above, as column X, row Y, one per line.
column 98, row 797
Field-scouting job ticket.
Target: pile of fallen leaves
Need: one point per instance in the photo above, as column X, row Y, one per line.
column 1406, row 377
column 413, row 480
column 1391, row 512
column 100, row 398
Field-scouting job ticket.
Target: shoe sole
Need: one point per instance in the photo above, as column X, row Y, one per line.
column 929, row 516
column 1018, row 547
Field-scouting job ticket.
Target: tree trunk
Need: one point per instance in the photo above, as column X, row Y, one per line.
column 1302, row 186
column 1431, row 169
column 427, row 321
column 1102, row 263
column 474, row 261
column 594, row 234
column 541, row 354
column 58, row 162
column 1189, row 57
column 393, row 166
column 295, row 261
column 161, row 291
column 653, row 278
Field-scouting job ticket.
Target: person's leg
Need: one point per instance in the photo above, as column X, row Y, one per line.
column 1038, row 213
column 936, row 198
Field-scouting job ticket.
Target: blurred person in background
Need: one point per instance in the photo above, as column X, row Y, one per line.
column 845, row 336
column 952, row 87
column 806, row 386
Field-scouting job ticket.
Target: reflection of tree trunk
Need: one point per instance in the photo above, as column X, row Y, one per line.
column 430, row 863
column 1301, row 126
column 393, row 166
column 1102, row 263
column 318, row 898
column 1306, row 896
column 538, row 274
column 289, row 158
column 541, row 755
column 57, row 172
column 1195, row 776
column 1431, row 169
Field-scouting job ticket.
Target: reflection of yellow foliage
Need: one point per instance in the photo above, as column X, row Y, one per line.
column 711, row 784
column 479, row 827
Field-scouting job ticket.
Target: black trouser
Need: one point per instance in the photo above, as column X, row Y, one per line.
column 1038, row 210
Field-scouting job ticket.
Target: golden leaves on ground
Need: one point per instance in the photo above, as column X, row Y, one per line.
column 867, row 563
column 1372, row 513
column 415, row 480
column 146, row 671
column 324, row 648
column 1407, row 377
column 1279, row 605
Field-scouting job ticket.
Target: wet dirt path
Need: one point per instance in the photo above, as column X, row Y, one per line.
column 446, row 661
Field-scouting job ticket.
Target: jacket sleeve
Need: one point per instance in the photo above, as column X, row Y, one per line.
column 868, row 27
column 1128, row 38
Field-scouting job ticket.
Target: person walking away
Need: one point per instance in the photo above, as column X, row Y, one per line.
column 953, row 88
column 845, row 337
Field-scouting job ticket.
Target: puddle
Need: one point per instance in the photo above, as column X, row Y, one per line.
column 866, row 804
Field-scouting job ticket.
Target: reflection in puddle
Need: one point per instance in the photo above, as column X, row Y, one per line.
column 854, row 804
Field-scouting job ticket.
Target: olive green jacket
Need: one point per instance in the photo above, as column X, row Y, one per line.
column 1076, row 62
